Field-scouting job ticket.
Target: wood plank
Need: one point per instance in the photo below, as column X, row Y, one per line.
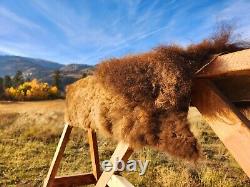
column 74, row 180
column 237, row 63
column 119, row 181
column 93, row 147
column 231, row 126
column 58, row 156
column 122, row 152
column 236, row 88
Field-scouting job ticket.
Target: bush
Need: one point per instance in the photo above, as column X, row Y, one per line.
column 33, row 90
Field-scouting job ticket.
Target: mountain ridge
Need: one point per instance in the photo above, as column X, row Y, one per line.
column 41, row 69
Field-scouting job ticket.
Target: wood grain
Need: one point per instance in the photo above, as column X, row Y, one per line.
column 122, row 152
column 48, row 182
column 74, row 180
column 237, row 63
column 231, row 126
column 93, row 148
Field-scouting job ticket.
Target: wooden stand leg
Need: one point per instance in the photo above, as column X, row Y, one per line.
column 232, row 127
column 57, row 156
column 73, row 180
column 122, row 152
column 93, row 148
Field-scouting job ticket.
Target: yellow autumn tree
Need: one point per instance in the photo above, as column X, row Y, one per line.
column 33, row 90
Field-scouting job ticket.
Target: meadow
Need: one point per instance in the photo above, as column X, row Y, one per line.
column 29, row 133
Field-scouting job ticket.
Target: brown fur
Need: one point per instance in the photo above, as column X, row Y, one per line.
column 119, row 119
column 144, row 99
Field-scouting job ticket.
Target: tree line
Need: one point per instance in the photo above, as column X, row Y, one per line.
column 18, row 79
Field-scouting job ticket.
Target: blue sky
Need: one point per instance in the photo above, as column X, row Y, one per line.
column 87, row 31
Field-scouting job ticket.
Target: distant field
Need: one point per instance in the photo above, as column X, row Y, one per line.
column 29, row 133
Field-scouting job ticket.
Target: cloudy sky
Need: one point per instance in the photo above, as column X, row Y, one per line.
column 87, row 31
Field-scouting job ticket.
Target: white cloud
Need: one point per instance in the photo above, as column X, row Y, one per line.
column 77, row 28
column 11, row 16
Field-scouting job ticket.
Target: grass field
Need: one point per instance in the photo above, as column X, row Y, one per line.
column 29, row 133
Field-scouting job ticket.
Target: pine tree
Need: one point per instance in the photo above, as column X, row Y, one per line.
column 7, row 82
column 84, row 74
column 18, row 79
column 57, row 79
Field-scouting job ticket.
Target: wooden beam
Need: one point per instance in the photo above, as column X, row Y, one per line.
column 122, row 152
column 93, row 147
column 237, row 63
column 231, row 126
column 57, row 156
column 240, row 86
column 74, row 180
column 119, row 181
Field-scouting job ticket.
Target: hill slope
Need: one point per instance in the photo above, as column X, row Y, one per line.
column 40, row 69
column 10, row 64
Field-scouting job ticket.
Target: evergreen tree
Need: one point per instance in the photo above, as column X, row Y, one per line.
column 7, row 82
column 28, row 79
column 57, row 79
column 84, row 74
column 18, row 79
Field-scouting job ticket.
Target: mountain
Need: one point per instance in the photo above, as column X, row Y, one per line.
column 41, row 69
column 72, row 68
column 29, row 66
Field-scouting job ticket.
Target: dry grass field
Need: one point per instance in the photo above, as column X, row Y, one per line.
column 29, row 133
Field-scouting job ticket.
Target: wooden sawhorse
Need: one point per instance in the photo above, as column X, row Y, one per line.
column 74, row 180
column 122, row 152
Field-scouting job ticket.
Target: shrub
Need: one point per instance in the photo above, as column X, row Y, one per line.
column 33, row 90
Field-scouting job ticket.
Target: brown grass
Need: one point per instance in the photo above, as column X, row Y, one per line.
column 27, row 147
